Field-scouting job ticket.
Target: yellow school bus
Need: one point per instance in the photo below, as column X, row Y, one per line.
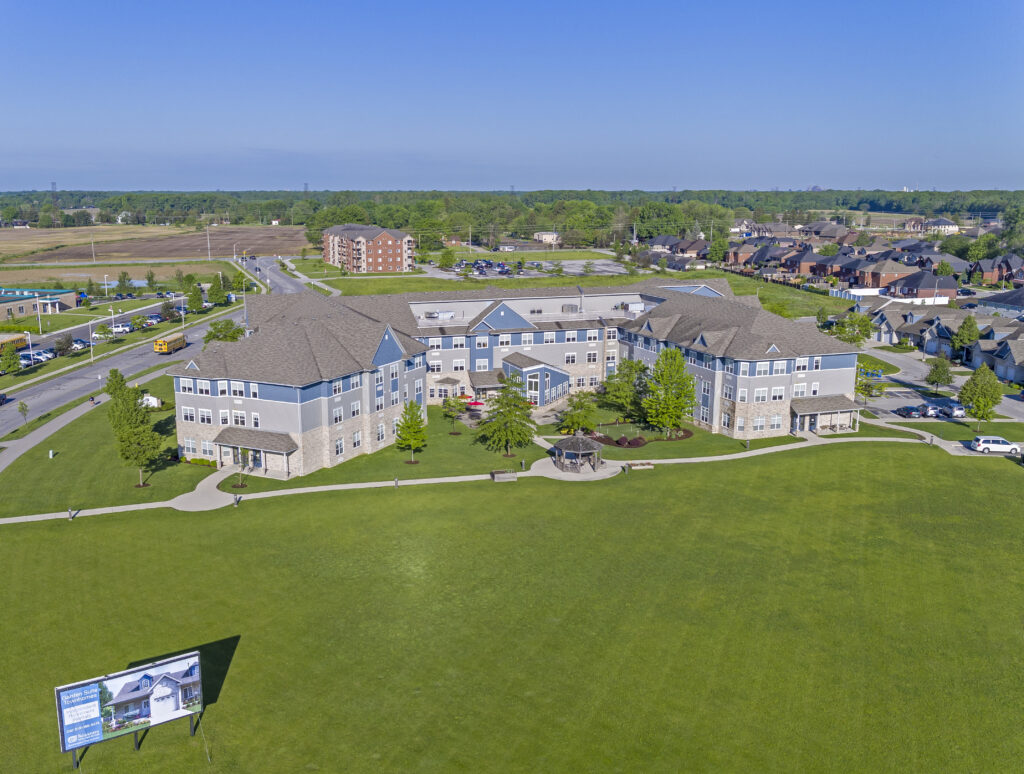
column 17, row 339
column 169, row 344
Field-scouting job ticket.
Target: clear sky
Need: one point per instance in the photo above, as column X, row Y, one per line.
column 482, row 95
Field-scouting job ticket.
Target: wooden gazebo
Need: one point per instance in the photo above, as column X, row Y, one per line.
column 574, row 451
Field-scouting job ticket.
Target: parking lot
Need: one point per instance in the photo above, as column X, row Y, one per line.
column 538, row 268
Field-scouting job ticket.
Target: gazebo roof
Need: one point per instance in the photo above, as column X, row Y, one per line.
column 578, row 444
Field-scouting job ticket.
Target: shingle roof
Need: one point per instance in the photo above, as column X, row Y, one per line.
column 262, row 440
column 821, row 404
column 356, row 230
column 519, row 360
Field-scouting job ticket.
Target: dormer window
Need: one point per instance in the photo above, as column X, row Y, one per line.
column 145, row 682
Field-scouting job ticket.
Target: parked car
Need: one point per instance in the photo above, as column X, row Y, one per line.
column 993, row 443
column 129, row 295
column 928, row 410
column 25, row 361
column 119, row 296
column 910, row 412
column 37, row 357
column 46, row 354
column 159, row 294
column 77, row 344
column 954, row 410
column 965, row 292
column 3, row 398
column 122, row 328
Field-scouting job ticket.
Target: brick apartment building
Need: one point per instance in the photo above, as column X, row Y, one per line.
column 365, row 249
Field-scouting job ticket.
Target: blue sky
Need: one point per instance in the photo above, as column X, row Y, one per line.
column 414, row 95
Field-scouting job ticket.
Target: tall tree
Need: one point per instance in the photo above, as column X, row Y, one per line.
column 854, row 328
column 195, row 299
column 124, row 282
column 981, row 394
column 821, row 317
column 10, row 361
column 62, row 344
column 216, row 295
column 939, row 374
column 624, row 390
column 670, row 391
column 447, row 258
column 116, row 384
column 965, row 335
column 139, row 446
column 151, row 285
column 223, row 330
column 716, row 253
column 238, row 282
column 579, row 414
column 944, row 269
column 138, row 321
column 411, row 433
column 509, row 422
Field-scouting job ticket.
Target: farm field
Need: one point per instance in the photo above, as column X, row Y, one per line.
column 225, row 241
column 19, row 241
column 78, row 276
column 624, row 625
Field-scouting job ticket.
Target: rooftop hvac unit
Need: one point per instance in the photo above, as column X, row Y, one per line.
column 570, row 308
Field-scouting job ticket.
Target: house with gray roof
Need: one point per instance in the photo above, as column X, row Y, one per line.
column 368, row 249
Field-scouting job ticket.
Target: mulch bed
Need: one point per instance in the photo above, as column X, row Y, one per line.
column 679, row 434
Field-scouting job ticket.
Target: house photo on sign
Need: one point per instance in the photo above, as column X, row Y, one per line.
column 130, row 701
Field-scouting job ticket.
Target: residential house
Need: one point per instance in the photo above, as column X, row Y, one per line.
column 923, row 284
column 914, row 225
column 943, row 226
column 824, row 229
column 546, row 237
column 157, row 697
column 368, row 249
column 880, row 274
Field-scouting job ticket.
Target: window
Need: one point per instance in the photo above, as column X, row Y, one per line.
column 727, row 391
column 378, row 404
column 207, row 448
column 458, row 342
column 705, row 387
column 570, row 337
column 205, row 417
column 394, row 398
column 741, row 423
column 779, row 367
column 611, row 334
column 505, row 340
column 354, row 409
column 776, row 422
column 743, row 395
column 222, row 388
column 339, row 447
column 458, row 365
column 730, row 366
column 185, row 386
column 778, row 393
column 238, row 418
column 255, row 420
column 254, row 390
column 570, row 358
column 336, row 387
column 418, row 387
column 481, row 342
column 434, row 343
column 726, row 420
column 761, row 395
column 580, row 381
column 799, row 390
column 801, row 364
column 591, row 357
column 758, row 424
column 744, row 370
column 549, row 337
column 434, row 367
column 237, row 390
column 762, row 368
column 357, row 439
column 202, row 387
column 817, row 364
column 527, row 339
column 356, row 380
column 431, row 392
column 691, row 358
column 381, row 433
column 338, row 416
column 593, row 381
column 394, row 371
column 190, row 445
column 482, row 365
column 610, row 358
column 223, row 417
column 592, row 335
column 378, row 377
column 188, row 414
column 705, row 414
column 814, row 388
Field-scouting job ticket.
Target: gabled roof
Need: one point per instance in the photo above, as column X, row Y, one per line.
column 355, row 231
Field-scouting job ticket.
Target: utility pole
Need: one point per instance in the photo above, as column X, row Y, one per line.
column 209, row 256
column 92, row 242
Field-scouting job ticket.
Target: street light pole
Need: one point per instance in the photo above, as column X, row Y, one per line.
column 39, row 314
column 234, row 252
column 92, row 345
column 27, row 333
column 209, row 255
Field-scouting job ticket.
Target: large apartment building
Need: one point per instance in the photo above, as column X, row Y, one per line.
column 325, row 379
column 368, row 249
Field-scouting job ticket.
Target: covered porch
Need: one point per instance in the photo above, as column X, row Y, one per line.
column 824, row 414
column 258, row 450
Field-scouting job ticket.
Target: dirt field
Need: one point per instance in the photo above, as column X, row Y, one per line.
column 16, row 241
column 79, row 275
column 261, row 240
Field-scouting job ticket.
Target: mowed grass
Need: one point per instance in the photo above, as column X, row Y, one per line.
column 966, row 429
column 713, row 618
column 86, row 471
column 872, row 363
column 444, row 455
column 780, row 299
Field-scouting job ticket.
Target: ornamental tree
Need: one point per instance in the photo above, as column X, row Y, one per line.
column 10, row 361
column 625, row 389
column 966, row 334
column 509, row 422
column 670, row 391
column 411, row 432
column 579, row 414
column 981, row 394
column 939, row 374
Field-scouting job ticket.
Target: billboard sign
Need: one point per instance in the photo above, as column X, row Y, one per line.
column 126, row 702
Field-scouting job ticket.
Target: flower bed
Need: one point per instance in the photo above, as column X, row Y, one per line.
column 679, row 434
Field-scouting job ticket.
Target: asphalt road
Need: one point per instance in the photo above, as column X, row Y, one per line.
column 77, row 385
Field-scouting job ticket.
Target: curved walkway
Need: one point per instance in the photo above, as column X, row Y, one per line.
column 207, row 497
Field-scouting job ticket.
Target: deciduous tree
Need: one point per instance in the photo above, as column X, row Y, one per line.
column 452, row 409
column 23, row 410
column 579, row 413
column 966, row 334
column 944, row 269
column 10, row 361
column 139, row 446
column 216, row 295
column 939, row 374
column 62, row 344
column 624, row 390
column 124, row 282
column 509, row 422
column 195, row 299
column 981, row 394
column 670, row 391
column 829, row 249
column 151, row 285
column 223, row 330
column 411, row 433
column 854, row 328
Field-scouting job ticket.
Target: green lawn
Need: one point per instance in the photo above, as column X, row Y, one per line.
column 875, row 364
column 445, row 455
column 901, row 350
column 868, row 430
column 86, row 471
column 766, row 615
column 781, row 299
column 966, row 429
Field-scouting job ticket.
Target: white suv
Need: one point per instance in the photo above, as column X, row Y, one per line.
column 989, row 443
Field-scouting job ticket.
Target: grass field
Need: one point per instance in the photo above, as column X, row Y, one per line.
column 872, row 363
column 21, row 241
column 669, row 620
column 966, row 429
column 86, row 471
column 780, row 299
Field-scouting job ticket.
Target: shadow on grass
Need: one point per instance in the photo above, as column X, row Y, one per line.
column 214, row 662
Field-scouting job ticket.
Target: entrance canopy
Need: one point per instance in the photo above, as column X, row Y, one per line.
column 828, row 413
column 257, row 440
